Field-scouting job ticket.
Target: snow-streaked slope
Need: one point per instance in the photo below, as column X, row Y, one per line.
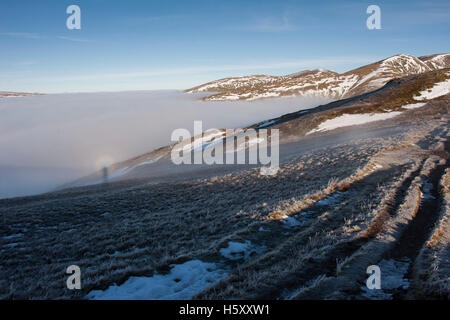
column 390, row 68
column 320, row 82
column 236, row 83
column 125, row 170
column 309, row 83
column 437, row 61
column 199, row 142
column 404, row 63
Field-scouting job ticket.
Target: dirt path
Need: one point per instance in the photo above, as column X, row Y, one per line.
column 419, row 229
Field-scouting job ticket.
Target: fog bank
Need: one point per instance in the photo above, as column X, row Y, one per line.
column 52, row 139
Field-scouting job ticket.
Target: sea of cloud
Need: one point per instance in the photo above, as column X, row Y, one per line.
column 49, row 140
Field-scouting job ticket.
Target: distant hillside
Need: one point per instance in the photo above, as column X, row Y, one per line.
column 7, row 94
column 320, row 82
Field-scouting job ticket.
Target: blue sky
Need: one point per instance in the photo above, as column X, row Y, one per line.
column 145, row 44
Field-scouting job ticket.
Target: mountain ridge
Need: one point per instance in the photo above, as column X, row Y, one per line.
column 322, row 82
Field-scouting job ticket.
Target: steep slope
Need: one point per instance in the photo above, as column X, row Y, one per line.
column 398, row 95
column 322, row 82
column 437, row 61
column 394, row 99
column 341, row 201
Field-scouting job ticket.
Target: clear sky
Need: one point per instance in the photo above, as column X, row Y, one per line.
column 146, row 44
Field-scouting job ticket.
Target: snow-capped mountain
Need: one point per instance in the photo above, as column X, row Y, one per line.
column 437, row 61
column 320, row 82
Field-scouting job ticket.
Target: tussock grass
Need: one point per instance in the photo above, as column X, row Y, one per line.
column 153, row 226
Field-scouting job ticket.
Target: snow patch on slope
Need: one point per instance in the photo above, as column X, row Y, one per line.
column 239, row 250
column 438, row 90
column 352, row 120
column 183, row 282
column 413, row 106
column 393, row 278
